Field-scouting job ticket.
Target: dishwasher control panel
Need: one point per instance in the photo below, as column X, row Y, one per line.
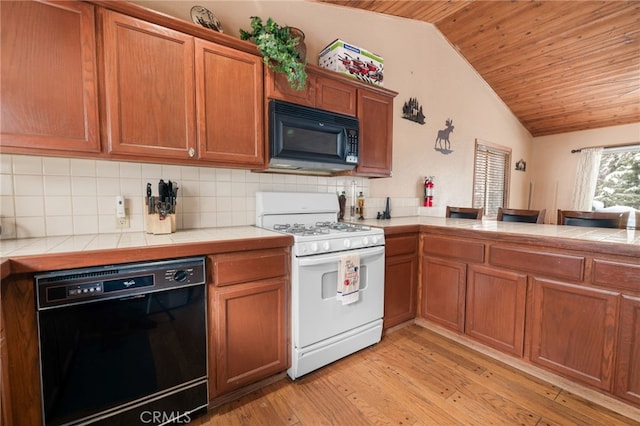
column 84, row 285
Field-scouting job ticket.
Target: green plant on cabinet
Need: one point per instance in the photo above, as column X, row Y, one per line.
column 279, row 49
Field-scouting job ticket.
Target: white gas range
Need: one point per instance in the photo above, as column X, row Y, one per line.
column 329, row 319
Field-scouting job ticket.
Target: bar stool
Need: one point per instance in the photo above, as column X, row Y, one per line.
column 520, row 215
column 595, row 219
column 464, row 212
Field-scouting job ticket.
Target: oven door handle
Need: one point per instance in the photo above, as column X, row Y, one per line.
column 320, row 259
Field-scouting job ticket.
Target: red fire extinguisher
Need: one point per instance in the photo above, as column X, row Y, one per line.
column 428, row 191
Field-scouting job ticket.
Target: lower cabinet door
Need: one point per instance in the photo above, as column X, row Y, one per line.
column 495, row 308
column 443, row 292
column 628, row 365
column 574, row 331
column 250, row 333
column 400, row 289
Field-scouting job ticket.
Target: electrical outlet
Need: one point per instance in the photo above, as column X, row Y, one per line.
column 123, row 222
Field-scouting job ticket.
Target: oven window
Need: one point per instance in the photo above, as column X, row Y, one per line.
column 96, row 356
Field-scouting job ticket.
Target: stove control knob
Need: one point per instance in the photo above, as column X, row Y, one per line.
column 374, row 239
column 326, row 246
column 347, row 243
column 365, row 241
column 314, row 247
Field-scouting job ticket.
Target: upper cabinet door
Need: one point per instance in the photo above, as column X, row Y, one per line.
column 48, row 77
column 375, row 111
column 229, row 101
column 335, row 95
column 278, row 87
column 149, row 88
column 327, row 93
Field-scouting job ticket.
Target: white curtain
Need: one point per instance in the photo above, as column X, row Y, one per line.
column 586, row 178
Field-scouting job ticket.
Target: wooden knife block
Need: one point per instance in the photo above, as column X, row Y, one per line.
column 153, row 224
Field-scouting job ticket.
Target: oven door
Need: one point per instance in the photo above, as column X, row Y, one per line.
column 317, row 314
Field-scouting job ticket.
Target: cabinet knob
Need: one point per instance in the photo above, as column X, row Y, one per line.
column 192, row 152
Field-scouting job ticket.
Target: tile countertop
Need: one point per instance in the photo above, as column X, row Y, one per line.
column 578, row 233
column 78, row 243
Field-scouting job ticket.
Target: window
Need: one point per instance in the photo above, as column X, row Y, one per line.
column 618, row 179
column 618, row 185
column 491, row 177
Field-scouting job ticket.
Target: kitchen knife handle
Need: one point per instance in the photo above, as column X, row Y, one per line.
column 161, row 190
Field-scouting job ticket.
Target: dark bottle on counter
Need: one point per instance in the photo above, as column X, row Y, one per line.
column 342, row 200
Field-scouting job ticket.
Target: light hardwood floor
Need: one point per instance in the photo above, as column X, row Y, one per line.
column 414, row 376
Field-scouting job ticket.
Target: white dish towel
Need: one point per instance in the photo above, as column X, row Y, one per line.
column 348, row 279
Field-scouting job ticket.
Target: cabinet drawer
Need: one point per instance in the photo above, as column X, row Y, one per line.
column 617, row 275
column 452, row 248
column 396, row 246
column 236, row 268
column 549, row 264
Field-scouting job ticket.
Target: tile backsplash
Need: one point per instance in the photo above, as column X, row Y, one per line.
column 51, row 196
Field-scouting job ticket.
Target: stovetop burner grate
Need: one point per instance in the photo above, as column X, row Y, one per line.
column 319, row 228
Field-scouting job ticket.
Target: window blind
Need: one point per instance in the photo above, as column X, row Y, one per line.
column 491, row 178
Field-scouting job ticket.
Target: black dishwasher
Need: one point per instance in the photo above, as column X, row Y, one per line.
column 123, row 344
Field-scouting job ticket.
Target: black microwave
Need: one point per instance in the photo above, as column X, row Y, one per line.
column 309, row 139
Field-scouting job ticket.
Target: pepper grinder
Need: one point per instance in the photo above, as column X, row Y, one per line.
column 342, row 200
column 361, row 206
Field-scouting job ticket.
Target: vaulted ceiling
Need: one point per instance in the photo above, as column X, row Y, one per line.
column 561, row 66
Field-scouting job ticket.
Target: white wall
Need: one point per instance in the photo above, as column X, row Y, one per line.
column 554, row 166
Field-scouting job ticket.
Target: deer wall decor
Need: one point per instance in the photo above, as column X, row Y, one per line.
column 443, row 135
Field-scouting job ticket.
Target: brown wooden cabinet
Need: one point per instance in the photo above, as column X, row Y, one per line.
column 627, row 381
column 444, row 284
column 250, row 333
column 20, row 373
column 170, row 95
column 444, row 278
column 48, row 75
column 375, row 112
column 276, row 86
column 322, row 92
column 335, row 95
column 571, row 307
column 229, row 104
column 163, row 94
column 149, row 88
column 495, row 307
column 401, row 276
column 574, row 331
column 248, row 318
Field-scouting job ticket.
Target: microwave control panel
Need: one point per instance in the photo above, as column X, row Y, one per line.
column 352, row 146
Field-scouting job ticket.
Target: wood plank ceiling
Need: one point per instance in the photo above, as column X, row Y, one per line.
column 561, row 66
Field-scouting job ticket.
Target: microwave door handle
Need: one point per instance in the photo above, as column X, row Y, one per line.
column 345, row 147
